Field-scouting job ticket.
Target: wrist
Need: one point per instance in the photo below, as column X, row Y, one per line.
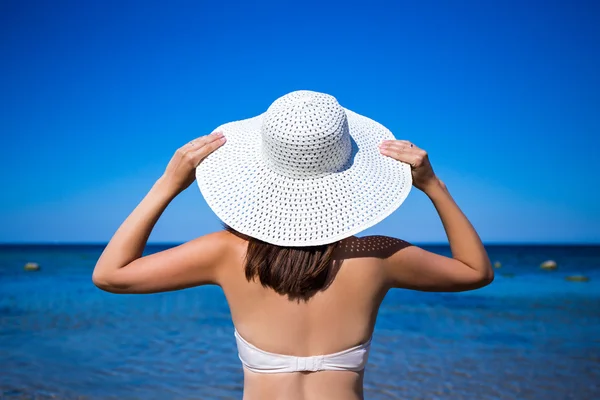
column 433, row 187
column 163, row 190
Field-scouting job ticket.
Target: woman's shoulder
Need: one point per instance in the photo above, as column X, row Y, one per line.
column 375, row 246
column 221, row 242
column 231, row 241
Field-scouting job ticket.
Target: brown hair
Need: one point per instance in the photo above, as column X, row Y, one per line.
column 298, row 272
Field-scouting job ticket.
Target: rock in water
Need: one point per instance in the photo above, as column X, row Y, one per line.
column 497, row 264
column 550, row 264
column 31, row 266
column 577, row 278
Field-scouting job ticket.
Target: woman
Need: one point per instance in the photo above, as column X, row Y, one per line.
column 293, row 186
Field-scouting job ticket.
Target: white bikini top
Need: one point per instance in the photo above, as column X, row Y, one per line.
column 257, row 360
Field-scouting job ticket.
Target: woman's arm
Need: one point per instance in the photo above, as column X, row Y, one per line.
column 121, row 267
column 414, row 268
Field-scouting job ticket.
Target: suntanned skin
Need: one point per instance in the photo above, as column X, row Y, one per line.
column 335, row 319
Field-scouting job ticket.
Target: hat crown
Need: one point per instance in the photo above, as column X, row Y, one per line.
column 305, row 135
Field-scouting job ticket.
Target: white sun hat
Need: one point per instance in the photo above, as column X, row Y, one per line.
column 306, row 172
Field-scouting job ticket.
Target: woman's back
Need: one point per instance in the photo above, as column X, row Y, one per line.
column 340, row 317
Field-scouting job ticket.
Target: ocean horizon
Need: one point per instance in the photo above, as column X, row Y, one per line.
column 531, row 334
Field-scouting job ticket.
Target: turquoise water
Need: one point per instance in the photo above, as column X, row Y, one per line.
column 528, row 336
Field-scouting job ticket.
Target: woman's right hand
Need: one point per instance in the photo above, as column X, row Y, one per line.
column 405, row 151
column 417, row 269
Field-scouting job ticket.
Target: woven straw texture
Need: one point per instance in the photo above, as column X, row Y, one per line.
column 306, row 172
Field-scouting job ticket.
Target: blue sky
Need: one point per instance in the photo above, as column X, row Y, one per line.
column 504, row 95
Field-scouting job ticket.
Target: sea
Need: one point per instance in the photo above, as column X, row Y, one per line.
column 531, row 334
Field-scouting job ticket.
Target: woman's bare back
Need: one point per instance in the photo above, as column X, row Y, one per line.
column 340, row 317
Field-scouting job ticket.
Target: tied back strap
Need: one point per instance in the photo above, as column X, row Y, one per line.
column 260, row 361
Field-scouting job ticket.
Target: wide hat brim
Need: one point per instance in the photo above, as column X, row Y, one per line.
column 254, row 200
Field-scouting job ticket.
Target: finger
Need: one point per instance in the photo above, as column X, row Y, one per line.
column 209, row 138
column 406, row 142
column 400, row 152
column 408, row 157
column 402, row 143
column 202, row 140
column 202, row 152
column 400, row 147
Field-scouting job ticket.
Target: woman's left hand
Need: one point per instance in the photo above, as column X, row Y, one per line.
column 181, row 171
